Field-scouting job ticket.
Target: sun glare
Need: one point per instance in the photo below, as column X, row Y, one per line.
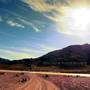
column 75, row 21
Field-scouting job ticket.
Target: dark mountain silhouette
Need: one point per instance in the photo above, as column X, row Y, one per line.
column 71, row 56
column 4, row 61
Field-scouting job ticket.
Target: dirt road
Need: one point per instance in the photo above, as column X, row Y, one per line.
column 24, row 80
column 37, row 83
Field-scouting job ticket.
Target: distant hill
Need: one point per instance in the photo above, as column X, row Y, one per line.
column 71, row 56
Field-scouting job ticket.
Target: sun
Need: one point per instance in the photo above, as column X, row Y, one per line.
column 76, row 21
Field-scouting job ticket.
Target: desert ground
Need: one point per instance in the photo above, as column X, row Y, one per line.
column 28, row 81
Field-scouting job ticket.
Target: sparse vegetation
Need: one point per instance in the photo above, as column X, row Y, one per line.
column 2, row 73
column 16, row 75
column 23, row 80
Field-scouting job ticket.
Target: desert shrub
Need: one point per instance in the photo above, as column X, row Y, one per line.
column 2, row 73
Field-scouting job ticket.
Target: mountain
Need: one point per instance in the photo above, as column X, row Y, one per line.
column 86, row 48
column 71, row 56
column 4, row 61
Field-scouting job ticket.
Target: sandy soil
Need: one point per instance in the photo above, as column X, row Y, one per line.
column 69, row 82
column 11, row 81
column 37, row 83
column 26, row 81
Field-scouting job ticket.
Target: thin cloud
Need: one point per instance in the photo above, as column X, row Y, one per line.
column 31, row 50
column 15, row 55
column 27, row 50
column 51, row 9
column 55, row 10
column 21, row 19
column 46, row 48
column 30, row 24
column 43, row 5
column 14, row 24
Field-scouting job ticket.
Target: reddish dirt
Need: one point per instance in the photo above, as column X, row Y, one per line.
column 37, row 83
column 11, row 81
column 69, row 82
column 25, row 81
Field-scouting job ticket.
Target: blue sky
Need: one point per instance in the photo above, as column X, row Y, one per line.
column 29, row 28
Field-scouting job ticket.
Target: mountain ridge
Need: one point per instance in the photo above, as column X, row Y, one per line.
column 71, row 56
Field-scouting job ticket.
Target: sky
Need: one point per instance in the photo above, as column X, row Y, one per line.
column 32, row 28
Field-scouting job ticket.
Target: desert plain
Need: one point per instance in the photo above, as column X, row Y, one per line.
column 30, row 81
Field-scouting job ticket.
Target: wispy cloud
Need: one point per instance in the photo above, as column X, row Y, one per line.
column 15, row 55
column 56, row 10
column 31, row 50
column 14, row 24
column 22, row 52
column 30, row 24
column 51, row 9
column 43, row 5
column 26, row 50
column 46, row 48
column 21, row 19
column 54, row 6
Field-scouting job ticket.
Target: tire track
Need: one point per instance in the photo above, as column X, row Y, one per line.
column 37, row 83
